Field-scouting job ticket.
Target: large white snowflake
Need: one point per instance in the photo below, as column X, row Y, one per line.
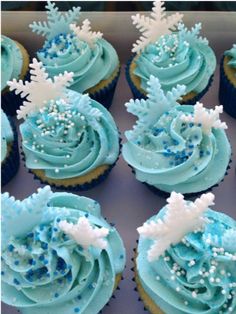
column 208, row 118
column 85, row 234
column 155, row 26
column 41, row 88
column 181, row 217
column 57, row 22
column 84, row 33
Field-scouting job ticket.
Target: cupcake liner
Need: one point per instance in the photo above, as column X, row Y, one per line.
column 137, row 94
column 76, row 188
column 186, row 195
column 227, row 92
column 106, row 94
column 12, row 102
column 11, row 165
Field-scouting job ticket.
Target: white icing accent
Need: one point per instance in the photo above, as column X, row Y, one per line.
column 155, row 26
column 84, row 32
column 181, row 218
column 84, row 233
column 41, row 89
column 209, row 118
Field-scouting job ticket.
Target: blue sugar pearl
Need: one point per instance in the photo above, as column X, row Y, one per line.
column 56, row 295
column 90, row 286
column 199, row 124
column 45, row 262
column 55, row 229
column 16, row 263
column 196, row 137
column 79, row 297
column 10, row 248
column 16, row 282
column 41, row 227
column 58, row 220
column 86, row 215
column 2, row 273
column 76, row 310
column 195, row 168
column 191, row 146
column 121, row 256
column 191, row 125
column 44, row 246
column 41, row 257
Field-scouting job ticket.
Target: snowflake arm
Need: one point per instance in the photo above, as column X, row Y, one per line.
column 191, row 36
column 181, row 217
column 85, row 234
column 155, row 26
column 84, row 33
column 207, row 118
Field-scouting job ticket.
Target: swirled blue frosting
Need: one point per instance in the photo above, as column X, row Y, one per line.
column 66, row 52
column 11, row 61
column 168, row 153
column 232, row 54
column 70, row 139
column 177, row 58
column 197, row 275
column 46, row 271
column 6, row 135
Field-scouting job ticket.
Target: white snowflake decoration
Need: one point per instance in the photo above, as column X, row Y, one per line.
column 57, row 22
column 155, row 26
column 207, row 118
column 85, row 234
column 41, row 89
column 149, row 110
column 191, row 36
column 84, row 33
column 181, row 218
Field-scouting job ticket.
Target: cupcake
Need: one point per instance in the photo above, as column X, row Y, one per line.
column 227, row 91
column 174, row 147
column 9, row 150
column 14, row 64
column 174, row 56
column 69, row 140
column 186, row 259
column 76, row 48
column 59, row 255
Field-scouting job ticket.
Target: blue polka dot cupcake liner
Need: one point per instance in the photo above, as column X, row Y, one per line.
column 80, row 187
column 227, row 92
column 105, row 95
column 137, row 94
column 11, row 164
column 12, row 102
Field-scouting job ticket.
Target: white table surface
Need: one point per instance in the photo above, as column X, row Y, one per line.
column 127, row 202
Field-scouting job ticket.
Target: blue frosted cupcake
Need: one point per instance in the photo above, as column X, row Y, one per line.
column 186, row 259
column 59, row 255
column 9, row 150
column 174, row 56
column 69, row 140
column 174, row 147
column 69, row 47
column 227, row 91
column 14, row 64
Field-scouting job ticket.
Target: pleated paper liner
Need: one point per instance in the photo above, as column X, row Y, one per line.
column 79, row 187
column 165, row 194
column 138, row 94
column 105, row 94
column 227, row 92
column 10, row 165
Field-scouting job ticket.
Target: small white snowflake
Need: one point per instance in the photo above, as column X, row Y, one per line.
column 207, row 118
column 85, row 234
column 41, row 89
column 181, row 218
column 155, row 26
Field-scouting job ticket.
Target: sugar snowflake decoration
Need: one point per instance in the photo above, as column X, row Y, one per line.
column 57, row 22
column 148, row 111
column 41, row 89
column 85, row 234
column 207, row 118
column 84, row 33
column 155, row 26
column 181, row 217
column 191, row 36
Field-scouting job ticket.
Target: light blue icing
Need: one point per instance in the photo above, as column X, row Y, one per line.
column 66, row 52
column 168, row 153
column 11, row 60
column 6, row 135
column 161, row 278
column 70, row 139
column 46, row 271
column 178, row 58
column 232, row 54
